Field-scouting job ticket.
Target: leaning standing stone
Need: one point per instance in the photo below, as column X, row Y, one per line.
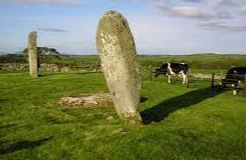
column 32, row 54
column 116, row 47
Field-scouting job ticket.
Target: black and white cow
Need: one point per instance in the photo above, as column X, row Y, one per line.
column 234, row 76
column 169, row 69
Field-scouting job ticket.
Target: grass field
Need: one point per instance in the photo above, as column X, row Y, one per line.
column 181, row 123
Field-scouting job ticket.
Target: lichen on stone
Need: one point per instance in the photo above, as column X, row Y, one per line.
column 117, row 51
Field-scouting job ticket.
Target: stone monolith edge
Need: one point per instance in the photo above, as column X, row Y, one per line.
column 116, row 48
column 32, row 54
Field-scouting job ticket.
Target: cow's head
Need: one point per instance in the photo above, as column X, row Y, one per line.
column 159, row 72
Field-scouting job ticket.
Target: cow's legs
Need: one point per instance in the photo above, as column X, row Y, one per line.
column 235, row 86
column 169, row 78
column 185, row 77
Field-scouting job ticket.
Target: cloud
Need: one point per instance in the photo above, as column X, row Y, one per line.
column 211, row 14
column 192, row 0
column 191, row 12
column 230, row 3
column 46, row 2
column 224, row 15
column 162, row 4
column 242, row 9
column 224, row 25
column 52, row 30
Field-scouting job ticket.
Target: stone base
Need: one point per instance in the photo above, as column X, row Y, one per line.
column 133, row 118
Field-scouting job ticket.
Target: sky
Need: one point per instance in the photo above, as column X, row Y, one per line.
column 158, row 26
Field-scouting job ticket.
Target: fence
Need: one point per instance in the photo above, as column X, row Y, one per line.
column 230, row 81
column 216, row 81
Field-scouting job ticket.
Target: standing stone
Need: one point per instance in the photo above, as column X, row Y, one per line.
column 116, row 47
column 32, row 54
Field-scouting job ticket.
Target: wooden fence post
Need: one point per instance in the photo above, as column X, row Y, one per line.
column 244, row 89
column 212, row 81
column 188, row 80
column 222, row 76
column 150, row 72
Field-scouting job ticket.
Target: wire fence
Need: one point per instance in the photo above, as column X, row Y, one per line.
column 234, row 82
column 218, row 82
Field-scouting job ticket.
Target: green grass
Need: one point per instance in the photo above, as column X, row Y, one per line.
column 181, row 123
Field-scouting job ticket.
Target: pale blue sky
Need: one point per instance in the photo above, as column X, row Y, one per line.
column 158, row 26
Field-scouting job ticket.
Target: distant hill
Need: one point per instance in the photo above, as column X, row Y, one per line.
column 195, row 61
column 2, row 53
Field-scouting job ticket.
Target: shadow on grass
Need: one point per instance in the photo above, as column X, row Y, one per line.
column 53, row 120
column 46, row 74
column 7, row 126
column 143, row 99
column 16, row 146
column 160, row 111
column 3, row 100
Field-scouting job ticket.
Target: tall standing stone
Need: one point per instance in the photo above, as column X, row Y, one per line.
column 116, row 48
column 32, row 54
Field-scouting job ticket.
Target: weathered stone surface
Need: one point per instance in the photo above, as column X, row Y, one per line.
column 32, row 54
column 88, row 101
column 13, row 66
column 50, row 67
column 116, row 47
column 44, row 67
